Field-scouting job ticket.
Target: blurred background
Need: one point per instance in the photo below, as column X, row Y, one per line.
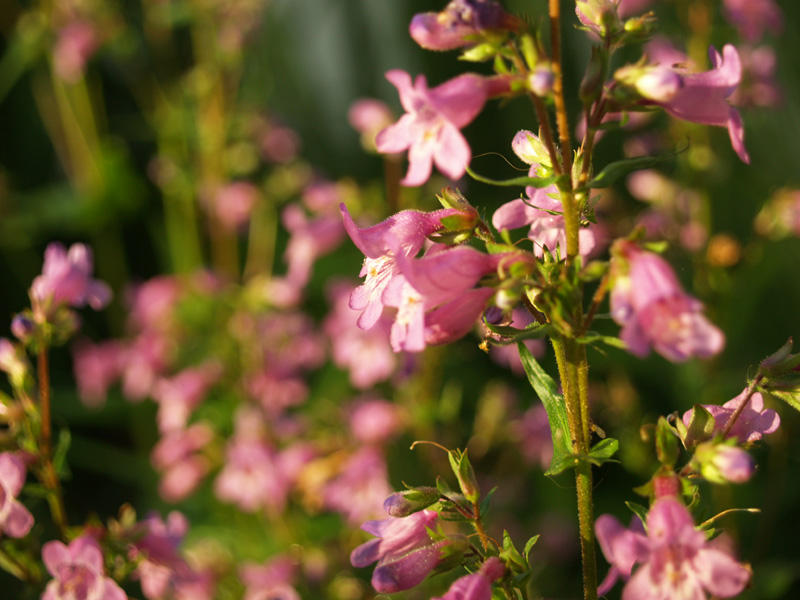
column 121, row 123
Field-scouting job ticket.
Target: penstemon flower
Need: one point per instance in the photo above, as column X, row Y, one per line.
column 430, row 128
column 78, row 572
column 676, row 562
column 15, row 520
column 650, row 304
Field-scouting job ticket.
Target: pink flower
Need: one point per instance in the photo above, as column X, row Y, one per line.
column 15, row 520
column 406, row 231
column 676, row 562
column 653, row 309
column 160, row 568
column 703, row 97
column 179, row 395
column 310, row 239
column 375, row 421
column 435, row 297
column 403, row 549
column 366, row 354
column 368, row 117
column 459, row 23
column 752, row 17
column 252, row 478
column 541, row 210
column 153, row 302
column 78, row 572
column 96, row 367
column 358, row 491
column 430, row 128
column 753, row 422
column 234, row 203
column 476, row 586
column 270, row 581
column 182, row 467
column 66, row 279
column 74, row 47
column 279, row 144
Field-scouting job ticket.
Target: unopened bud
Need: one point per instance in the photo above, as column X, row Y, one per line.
column 542, row 79
column 594, row 78
column 723, row 463
column 22, row 328
column 402, row 504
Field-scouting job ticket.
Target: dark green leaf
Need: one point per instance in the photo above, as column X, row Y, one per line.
column 615, row 170
column 546, row 389
column 639, row 510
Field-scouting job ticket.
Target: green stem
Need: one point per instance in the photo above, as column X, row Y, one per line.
column 48, row 474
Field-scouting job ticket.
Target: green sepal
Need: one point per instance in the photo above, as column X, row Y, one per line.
column 465, row 474
column 479, row 53
column 529, row 546
column 553, row 402
column 537, row 182
column 60, row 453
column 487, row 500
column 667, row 449
column 780, row 361
column 639, row 510
column 510, row 555
column 700, row 429
column 493, row 248
column 618, row 169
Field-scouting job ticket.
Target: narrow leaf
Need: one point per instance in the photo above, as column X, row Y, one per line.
column 620, row 168
column 604, row 449
column 546, row 389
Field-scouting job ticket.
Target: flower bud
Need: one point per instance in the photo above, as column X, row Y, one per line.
column 594, row 78
column 600, row 16
column 402, row 504
column 13, row 361
column 542, row 79
column 22, row 328
column 723, row 463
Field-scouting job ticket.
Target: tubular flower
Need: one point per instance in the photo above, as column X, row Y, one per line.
column 649, row 303
column 404, row 551
column 78, row 572
column 402, row 233
column 753, row 422
column 429, row 129
column 459, row 24
column 476, row 586
column 15, row 520
column 703, row 97
column 675, row 560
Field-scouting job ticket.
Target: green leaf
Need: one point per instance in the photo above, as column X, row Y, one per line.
column 529, row 546
column 546, row 389
column 487, row 500
column 639, row 510
column 620, row 168
column 533, row 332
column 591, row 337
column 700, row 428
column 510, row 551
column 537, row 182
column 666, row 443
column 603, row 450
column 60, row 452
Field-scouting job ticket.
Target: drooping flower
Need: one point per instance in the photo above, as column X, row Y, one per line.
column 78, row 572
column 459, row 24
column 430, row 128
column 66, row 279
column 476, row 586
column 649, row 303
column 751, row 425
column 703, row 97
column 15, row 520
column 675, row 560
column 160, row 568
column 436, row 299
column 404, row 551
column 406, row 230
